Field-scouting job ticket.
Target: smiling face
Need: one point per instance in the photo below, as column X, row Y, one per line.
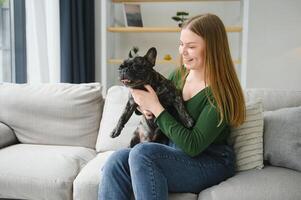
column 192, row 50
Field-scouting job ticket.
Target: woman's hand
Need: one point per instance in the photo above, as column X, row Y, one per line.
column 147, row 100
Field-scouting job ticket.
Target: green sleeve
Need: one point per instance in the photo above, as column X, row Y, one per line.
column 192, row 141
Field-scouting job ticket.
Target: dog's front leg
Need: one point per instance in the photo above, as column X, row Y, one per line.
column 126, row 115
column 185, row 118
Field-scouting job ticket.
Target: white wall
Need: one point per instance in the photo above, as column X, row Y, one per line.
column 274, row 38
column 274, row 44
column 159, row 14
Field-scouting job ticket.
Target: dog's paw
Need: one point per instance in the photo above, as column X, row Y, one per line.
column 115, row 133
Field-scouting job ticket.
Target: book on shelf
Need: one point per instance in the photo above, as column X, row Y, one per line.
column 132, row 13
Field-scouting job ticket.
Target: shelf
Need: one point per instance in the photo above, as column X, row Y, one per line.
column 230, row 29
column 151, row 1
column 119, row 61
column 116, row 36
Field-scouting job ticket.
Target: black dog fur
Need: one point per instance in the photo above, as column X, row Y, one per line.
column 135, row 72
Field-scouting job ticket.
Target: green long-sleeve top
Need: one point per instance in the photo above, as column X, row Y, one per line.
column 206, row 130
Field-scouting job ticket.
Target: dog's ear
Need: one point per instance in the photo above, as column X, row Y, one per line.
column 133, row 52
column 151, row 55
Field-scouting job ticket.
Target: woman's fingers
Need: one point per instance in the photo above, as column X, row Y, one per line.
column 148, row 114
column 149, row 88
column 147, row 100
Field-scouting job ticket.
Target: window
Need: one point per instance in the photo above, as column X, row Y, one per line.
column 5, row 42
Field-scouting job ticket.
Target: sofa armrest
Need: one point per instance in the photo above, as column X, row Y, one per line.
column 7, row 136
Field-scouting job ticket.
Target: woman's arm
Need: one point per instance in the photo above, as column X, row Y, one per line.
column 192, row 141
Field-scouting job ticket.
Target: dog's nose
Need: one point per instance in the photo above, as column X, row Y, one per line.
column 125, row 81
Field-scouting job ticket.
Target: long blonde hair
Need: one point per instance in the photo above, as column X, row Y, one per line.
column 220, row 73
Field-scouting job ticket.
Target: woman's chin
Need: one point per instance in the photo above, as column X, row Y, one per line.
column 187, row 66
column 193, row 66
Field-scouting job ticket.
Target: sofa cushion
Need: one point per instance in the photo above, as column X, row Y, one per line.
column 41, row 171
column 282, row 137
column 274, row 99
column 86, row 183
column 54, row 113
column 247, row 139
column 116, row 100
column 269, row 183
column 7, row 136
column 85, row 186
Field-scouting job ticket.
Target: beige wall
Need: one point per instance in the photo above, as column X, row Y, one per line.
column 274, row 44
column 159, row 14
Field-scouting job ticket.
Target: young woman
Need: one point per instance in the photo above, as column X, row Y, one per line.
column 196, row 158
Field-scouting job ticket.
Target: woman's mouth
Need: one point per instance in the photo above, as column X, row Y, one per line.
column 187, row 60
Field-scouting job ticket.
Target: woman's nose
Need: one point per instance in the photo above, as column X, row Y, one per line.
column 184, row 51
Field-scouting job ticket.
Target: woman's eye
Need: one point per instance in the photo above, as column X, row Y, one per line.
column 191, row 47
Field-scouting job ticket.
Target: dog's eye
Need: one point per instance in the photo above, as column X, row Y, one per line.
column 121, row 66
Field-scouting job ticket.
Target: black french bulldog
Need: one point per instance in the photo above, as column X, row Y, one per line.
column 135, row 72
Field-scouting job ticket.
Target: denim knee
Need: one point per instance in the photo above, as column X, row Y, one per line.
column 147, row 181
column 118, row 159
column 140, row 153
column 143, row 149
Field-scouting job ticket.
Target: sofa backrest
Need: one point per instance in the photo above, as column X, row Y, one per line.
column 274, row 99
column 52, row 113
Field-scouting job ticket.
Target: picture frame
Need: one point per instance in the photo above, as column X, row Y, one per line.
column 132, row 14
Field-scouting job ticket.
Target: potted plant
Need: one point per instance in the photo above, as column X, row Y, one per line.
column 2, row 2
column 180, row 17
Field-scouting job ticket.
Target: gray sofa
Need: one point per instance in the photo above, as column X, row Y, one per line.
column 54, row 140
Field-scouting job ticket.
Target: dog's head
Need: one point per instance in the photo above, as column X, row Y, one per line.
column 135, row 71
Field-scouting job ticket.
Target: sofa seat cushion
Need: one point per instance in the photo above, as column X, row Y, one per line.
column 269, row 183
column 41, row 171
column 86, row 183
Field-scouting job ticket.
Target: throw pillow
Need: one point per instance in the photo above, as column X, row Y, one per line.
column 282, row 137
column 115, row 102
column 247, row 139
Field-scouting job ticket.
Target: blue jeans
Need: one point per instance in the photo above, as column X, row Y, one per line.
column 151, row 170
